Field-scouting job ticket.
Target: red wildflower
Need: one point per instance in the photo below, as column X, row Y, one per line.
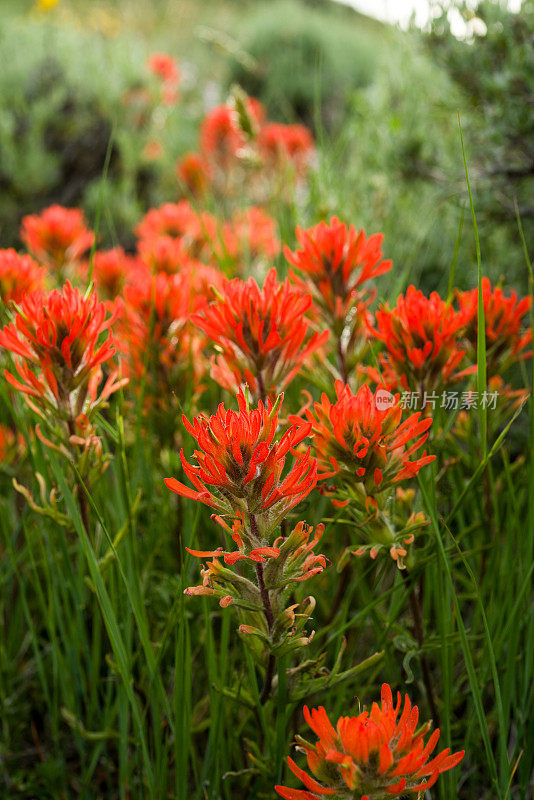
column 240, row 464
column 166, row 69
column 57, row 236
column 421, row 337
column 334, row 262
column 360, row 441
column 193, row 171
column 221, row 136
column 164, row 66
column 163, row 254
column 283, row 145
column 256, row 233
column 60, row 340
column 171, row 219
column 111, row 269
column 264, row 334
column 157, row 314
column 373, row 756
column 505, row 342
column 19, row 275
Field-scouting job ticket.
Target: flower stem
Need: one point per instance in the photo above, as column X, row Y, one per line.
column 261, row 387
column 341, row 361
column 82, row 500
column 269, row 616
column 420, row 636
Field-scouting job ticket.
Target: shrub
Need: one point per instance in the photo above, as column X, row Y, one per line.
column 62, row 93
column 305, row 59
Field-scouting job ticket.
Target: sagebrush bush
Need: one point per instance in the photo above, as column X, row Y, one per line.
column 305, row 60
column 62, row 94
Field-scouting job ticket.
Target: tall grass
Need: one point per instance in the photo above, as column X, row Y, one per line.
column 113, row 684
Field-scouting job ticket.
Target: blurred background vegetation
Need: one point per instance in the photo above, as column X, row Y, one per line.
column 382, row 104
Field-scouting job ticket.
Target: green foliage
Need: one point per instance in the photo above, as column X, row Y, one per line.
column 495, row 70
column 304, row 59
column 62, row 94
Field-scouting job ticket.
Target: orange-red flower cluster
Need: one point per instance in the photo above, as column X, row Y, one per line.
column 174, row 233
column 249, row 236
column 60, row 340
column 166, row 69
column 241, row 465
column 221, row 136
column 238, row 144
column 334, row 262
column 111, row 270
column 19, row 275
column 163, row 254
column 373, row 756
column 421, row 336
column 283, row 146
column 263, row 334
column 503, row 317
column 178, row 220
column 359, row 441
column 194, row 172
column 57, row 236
column 156, row 334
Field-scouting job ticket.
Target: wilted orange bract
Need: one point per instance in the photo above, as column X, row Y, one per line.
column 19, row 275
column 372, row 756
column 263, row 334
column 241, row 464
column 295, row 559
column 60, row 340
column 57, row 236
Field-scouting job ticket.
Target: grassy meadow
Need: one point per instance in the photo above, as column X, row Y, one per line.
column 266, row 418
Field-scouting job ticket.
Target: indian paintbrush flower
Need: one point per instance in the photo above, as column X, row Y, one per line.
column 422, row 339
column 372, row 756
column 363, row 444
column 503, row 317
column 263, row 335
column 241, row 475
column 335, row 263
column 57, row 237
column 19, row 275
column 60, row 341
column 241, row 464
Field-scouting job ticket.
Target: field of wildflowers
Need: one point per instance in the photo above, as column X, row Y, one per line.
column 266, row 523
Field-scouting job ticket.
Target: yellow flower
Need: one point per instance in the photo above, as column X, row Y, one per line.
column 46, row 5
